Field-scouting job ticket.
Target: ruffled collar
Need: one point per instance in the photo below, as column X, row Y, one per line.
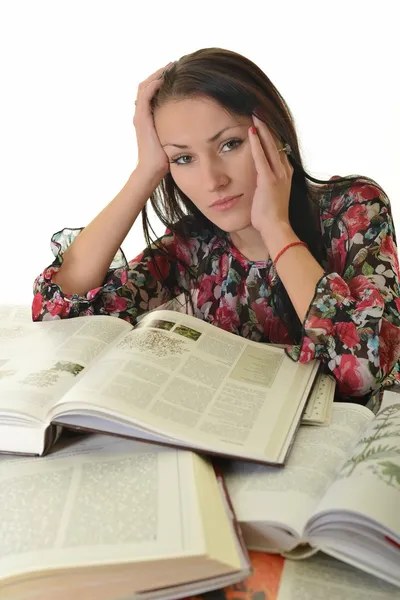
column 245, row 262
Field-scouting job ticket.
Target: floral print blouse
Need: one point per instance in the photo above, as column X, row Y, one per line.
column 352, row 324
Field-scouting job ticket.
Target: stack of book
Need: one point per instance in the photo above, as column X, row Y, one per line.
column 215, row 445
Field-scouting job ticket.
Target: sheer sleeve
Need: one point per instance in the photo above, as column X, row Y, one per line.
column 353, row 322
column 128, row 290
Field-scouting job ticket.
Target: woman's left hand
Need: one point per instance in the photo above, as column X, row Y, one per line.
column 270, row 206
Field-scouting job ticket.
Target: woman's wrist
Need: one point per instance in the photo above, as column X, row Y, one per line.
column 145, row 180
column 278, row 235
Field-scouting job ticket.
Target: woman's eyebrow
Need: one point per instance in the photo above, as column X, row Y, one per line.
column 210, row 140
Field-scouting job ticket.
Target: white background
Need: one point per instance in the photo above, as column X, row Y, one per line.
column 69, row 75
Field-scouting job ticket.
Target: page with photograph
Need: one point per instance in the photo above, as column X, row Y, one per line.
column 39, row 362
column 178, row 378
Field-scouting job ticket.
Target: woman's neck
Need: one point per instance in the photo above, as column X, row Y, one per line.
column 250, row 244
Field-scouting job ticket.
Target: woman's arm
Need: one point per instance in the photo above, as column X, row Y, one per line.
column 297, row 268
column 127, row 291
column 352, row 320
column 88, row 258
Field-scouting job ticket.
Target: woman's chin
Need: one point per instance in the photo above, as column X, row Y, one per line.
column 233, row 223
column 231, row 220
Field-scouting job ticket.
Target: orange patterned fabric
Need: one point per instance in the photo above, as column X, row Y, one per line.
column 263, row 584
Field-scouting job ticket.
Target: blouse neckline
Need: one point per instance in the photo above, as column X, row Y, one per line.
column 246, row 262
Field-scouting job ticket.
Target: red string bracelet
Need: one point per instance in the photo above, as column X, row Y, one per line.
column 287, row 248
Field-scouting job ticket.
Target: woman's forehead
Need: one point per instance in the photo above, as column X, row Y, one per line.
column 199, row 118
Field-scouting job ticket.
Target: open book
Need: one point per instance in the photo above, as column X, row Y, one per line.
column 339, row 492
column 320, row 577
column 172, row 379
column 105, row 518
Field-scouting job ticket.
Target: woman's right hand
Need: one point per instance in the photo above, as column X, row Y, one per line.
column 152, row 160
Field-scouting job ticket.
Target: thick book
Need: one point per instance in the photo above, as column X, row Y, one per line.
column 339, row 492
column 172, row 379
column 105, row 518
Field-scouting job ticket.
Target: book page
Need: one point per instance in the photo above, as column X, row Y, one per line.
column 369, row 479
column 286, row 497
column 110, row 499
column 39, row 362
column 324, row 578
column 180, row 375
column 16, row 313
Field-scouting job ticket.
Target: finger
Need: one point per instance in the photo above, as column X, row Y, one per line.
column 156, row 76
column 260, row 159
column 157, row 73
column 149, row 86
column 270, row 149
column 145, row 94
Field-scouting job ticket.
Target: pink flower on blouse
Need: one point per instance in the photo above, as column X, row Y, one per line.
column 206, row 291
column 114, row 303
column 307, row 350
column 264, row 315
column 349, row 374
column 226, row 317
column 262, row 311
column 93, row 293
column 339, row 286
column 389, row 345
column 388, row 249
column 277, row 332
column 37, row 306
column 182, row 252
column 274, row 330
column 365, row 293
column 338, row 257
column 57, row 308
column 163, row 265
column 356, row 219
column 347, row 333
column 123, row 276
column 322, row 327
column 223, row 266
column 365, row 192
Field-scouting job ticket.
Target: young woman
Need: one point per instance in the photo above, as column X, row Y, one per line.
column 253, row 243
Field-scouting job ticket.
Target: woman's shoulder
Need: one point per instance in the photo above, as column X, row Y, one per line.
column 353, row 188
column 342, row 192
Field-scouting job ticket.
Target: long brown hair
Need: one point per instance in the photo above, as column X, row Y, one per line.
column 241, row 87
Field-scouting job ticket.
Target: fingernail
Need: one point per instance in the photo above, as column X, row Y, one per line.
column 253, row 129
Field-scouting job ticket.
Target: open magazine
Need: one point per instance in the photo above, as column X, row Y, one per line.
column 106, row 518
column 339, row 492
column 172, row 379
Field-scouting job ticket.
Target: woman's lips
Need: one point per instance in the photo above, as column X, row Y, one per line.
column 226, row 205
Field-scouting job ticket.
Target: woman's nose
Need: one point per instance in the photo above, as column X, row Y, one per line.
column 214, row 175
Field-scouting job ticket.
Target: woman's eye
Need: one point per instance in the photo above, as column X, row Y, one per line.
column 236, row 142
column 177, row 161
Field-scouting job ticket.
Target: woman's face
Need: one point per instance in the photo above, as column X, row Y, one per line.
column 207, row 170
